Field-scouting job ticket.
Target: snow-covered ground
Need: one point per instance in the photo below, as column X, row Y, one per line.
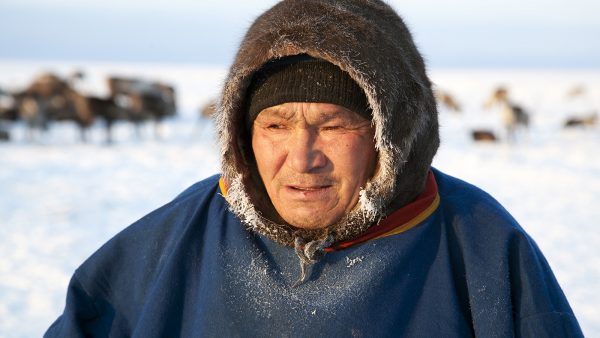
column 61, row 199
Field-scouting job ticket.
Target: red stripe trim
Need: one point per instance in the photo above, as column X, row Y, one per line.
column 400, row 220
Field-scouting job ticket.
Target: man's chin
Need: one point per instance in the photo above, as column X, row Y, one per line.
column 308, row 222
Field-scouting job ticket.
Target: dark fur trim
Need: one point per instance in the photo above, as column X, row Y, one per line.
column 368, row 40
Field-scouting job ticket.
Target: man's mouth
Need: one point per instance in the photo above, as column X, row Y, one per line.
column 309, row 188
column 308, row 192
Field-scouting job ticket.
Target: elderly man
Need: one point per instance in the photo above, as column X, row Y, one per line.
column 328, row 219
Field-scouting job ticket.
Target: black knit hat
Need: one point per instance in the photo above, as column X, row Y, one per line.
column 302, row 78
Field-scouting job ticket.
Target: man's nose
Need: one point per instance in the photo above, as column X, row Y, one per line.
column 304, row 153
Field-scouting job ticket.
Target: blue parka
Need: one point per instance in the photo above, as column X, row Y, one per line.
column 191, row 269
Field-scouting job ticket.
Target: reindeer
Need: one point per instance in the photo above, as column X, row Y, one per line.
column 34, row 102
column 206, row 112
column 8, row 108
column 96, row 107
column 514, row 117
column 209, row 108
column 8, row 113
column 50, row 98
column 581, row 106
column 138, row 100
column 586, row 121
column 445, row 99
column 576, row 91
column 483, row 135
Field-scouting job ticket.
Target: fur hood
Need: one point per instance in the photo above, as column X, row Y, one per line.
column 367, row 39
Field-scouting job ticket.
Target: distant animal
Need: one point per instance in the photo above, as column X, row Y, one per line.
column 8, row 113
column 50, row 98
column 8, row 108
column 4, row 135
column 447, row 100
column 94, row 108
column 586, row 121
column 31, row 109
column 575, row 91
column 483, row 135
column 514, row 117
column 139, row 100
column 209, row 108
column 43, row 97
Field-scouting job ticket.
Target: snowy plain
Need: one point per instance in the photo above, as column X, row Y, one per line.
column 61, row 199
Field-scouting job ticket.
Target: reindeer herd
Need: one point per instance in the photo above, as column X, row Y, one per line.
column 515, row 118
column 50, row 98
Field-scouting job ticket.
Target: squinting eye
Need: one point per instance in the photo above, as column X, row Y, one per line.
column 274, row 126
column 331, row 127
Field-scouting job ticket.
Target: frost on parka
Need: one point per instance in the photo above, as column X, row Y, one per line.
column 367, row 39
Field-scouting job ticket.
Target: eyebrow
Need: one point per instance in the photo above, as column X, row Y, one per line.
column 279, row 112
column 343, row 113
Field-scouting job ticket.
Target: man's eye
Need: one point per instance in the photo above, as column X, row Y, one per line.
column 274, row 126
column 332, row 127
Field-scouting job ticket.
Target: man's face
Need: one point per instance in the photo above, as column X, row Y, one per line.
column 313, row 159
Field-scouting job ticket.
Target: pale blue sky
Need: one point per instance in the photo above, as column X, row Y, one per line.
column 459, row 33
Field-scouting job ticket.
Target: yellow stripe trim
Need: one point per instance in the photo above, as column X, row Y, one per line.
column 223, row 187
column 415, row 221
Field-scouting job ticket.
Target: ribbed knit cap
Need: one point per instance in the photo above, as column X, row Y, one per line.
column 302, row 78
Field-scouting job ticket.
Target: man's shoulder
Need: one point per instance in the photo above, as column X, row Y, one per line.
column 470, row 206
column 452, row 187
column 502, row 263
column 201, row 195
column 141, row 246
column 201, row 187
column 458, row 194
